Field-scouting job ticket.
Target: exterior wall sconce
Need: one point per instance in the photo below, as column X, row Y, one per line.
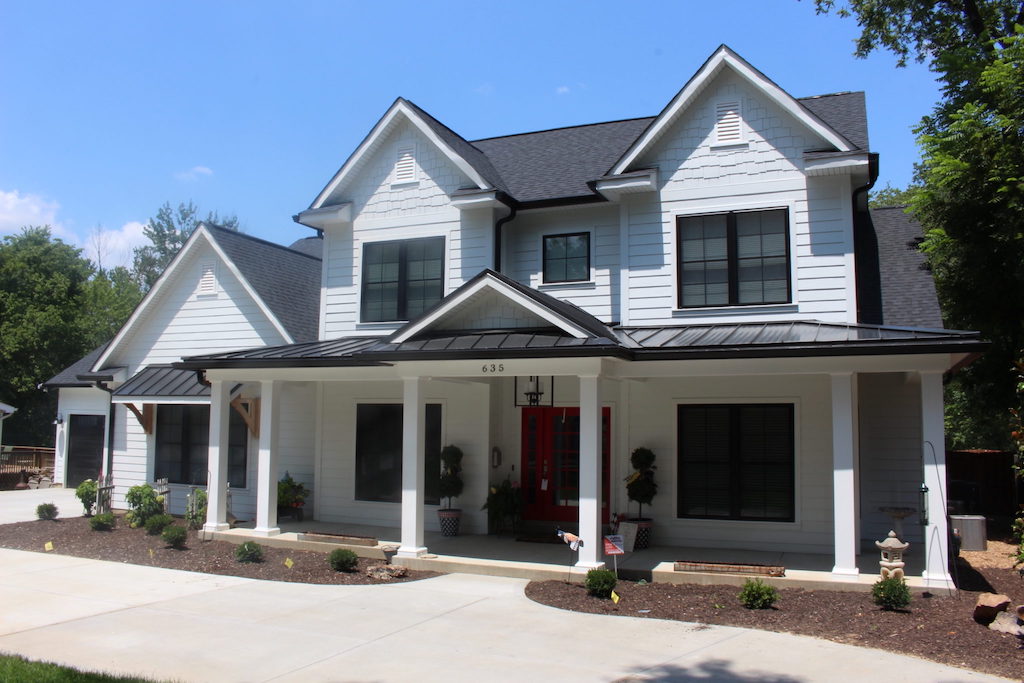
column 59, row 420
column 923, row 507
column 535, row 391
column 495, row 457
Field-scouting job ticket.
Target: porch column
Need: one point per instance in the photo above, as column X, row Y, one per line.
column 217, row 462
column 266, row 469
column 844, row 473
column 413, row 467
column 936, row 533
column 590, row 473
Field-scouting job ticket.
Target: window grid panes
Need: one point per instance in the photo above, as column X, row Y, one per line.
column 403, row 279
column 183, row 445
column 379, row 452
column 736, row 258
column 567, row 257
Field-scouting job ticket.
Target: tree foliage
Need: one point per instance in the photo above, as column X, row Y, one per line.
column 971, row 179
column 167, row 232
column 890, row 196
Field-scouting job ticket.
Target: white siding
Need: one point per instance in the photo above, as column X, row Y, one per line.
column 74, row 400
column 464, row 423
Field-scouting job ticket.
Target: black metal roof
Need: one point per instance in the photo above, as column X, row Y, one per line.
column 163, row 380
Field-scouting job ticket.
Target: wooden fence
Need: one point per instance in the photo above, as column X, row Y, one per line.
column 32, row 459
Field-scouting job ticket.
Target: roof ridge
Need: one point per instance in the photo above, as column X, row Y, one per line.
column 253, row 238
column 831, row 94
column 550, row 130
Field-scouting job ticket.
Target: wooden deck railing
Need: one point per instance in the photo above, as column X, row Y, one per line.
column 14, row 459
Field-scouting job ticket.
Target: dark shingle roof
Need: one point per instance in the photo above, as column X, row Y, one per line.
column 908, row 289
column 287, row 280
column 845, row 112
column 310, row 246
column 68, row 377
column 163, row 380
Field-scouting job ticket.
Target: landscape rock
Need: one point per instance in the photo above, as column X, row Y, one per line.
column 1007, row 623
column 989, row 605
column 386, row 572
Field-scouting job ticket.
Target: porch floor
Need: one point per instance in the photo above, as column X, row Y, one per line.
column 503, row 555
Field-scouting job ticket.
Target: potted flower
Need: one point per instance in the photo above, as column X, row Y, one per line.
column 291, row 497
column 504, row 506
column 641, row 488
column 450, row 487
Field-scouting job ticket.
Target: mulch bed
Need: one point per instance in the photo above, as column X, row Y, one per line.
column 937, row 628
column 73, row 536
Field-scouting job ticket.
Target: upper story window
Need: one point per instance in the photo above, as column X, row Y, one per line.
column 734, row 259
column 401, row 279
column 567, row 257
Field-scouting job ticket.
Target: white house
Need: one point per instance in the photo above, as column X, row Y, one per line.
column 707, row 283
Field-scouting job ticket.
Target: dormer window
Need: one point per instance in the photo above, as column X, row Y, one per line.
column 728, row 123
column 207, row 279
column 405, row 166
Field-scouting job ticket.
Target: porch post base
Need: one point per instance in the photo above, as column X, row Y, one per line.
column 406, row 551
column 219, row 526
column 271, row 531
column 590, row 565
column 845, row 571
column 939, row 580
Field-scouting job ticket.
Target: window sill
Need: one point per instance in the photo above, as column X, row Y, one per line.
column 575, row 284
column 716, row 311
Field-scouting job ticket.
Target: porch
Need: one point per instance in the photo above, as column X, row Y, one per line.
column 531, row 557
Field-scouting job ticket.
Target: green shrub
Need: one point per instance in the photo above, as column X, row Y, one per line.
column 195, row 509
column 250, row 551
column 104, row 522
column 600, row 582
column 343, row 560
column 47, row 511
column 86, row 492
column 757, row 594
column 157, row 523
column 175, row 536
column 891, row 593
column 143, row 503
column 1017, row 530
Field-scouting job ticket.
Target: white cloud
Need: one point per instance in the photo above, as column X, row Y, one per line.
column 562, row 90
column 19, row 210
column 111, row 248
column 193, row 174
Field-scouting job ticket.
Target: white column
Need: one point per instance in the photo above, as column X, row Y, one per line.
column 413, row 467
column 217, row 462
column 266, row 468
column 936, row 533
column 590, row 473
column 844, row 473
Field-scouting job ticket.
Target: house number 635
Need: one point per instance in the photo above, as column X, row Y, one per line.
column 493, row 367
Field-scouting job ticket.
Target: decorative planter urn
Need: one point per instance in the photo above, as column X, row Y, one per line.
column 450, row 519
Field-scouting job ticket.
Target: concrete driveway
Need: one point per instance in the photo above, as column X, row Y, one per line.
column 20, row 506
column 185, row 626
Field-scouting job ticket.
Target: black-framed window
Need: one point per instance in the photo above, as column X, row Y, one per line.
column 379, row 452
column 736, row 462
column 567, row 257
column 734, row 259
column 401, row 279
column 183, row 445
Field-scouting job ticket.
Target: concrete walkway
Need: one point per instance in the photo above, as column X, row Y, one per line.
column 20, row 506
column 185, row 626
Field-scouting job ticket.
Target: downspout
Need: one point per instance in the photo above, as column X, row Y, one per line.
column 111, row 412
column 865, row 246
column 497, row 234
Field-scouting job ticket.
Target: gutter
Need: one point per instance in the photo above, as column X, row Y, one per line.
column 99, row 382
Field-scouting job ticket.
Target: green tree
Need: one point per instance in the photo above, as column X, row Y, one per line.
column 970, row 176
column 892, row 196
column 111, row 297
column 167, row 233
column 43, row 285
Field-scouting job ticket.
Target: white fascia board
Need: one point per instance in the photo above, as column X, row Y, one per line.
column 614, row 187
column 326, row 216
column 500, row 288
column 726, row 57
column 163, row 400
column 835, row 165
column 487, row 199
column 367, row 146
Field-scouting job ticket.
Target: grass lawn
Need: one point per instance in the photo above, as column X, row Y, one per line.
column 15, row 668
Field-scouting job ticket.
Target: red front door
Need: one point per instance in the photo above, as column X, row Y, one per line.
column 551, row 463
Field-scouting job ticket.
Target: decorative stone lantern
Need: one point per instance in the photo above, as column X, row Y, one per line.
column 892, row 556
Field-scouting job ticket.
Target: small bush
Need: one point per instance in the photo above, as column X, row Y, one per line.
column 47, row 511
column 891, row 593
column 104, row 522
column 86, row 492
column 1017, row 530
column 757, row 594
column 343, row 560
column 174, row 536
column 600, row 582
column 250, row 551
column 157, row 523
column 143, row 503
column 195, row 509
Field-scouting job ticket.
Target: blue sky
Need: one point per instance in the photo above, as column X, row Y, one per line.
column 107, row 110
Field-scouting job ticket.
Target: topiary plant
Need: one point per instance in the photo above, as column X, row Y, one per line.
column 86, row 492
column 756, row 594
column 250, row 551
column 600, row 582
column 47, row 511
column 640, row 486
column 891, row 593
column 451, row 474
column 343, row 560
column 157, row 523
column 175, row 536
column 103, row 522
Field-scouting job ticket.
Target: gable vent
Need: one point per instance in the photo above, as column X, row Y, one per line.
column 728, row 123
column 405, row 167
column 207, row 279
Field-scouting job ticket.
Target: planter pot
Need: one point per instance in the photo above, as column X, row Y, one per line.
column 450, row 520
column 643, row 533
